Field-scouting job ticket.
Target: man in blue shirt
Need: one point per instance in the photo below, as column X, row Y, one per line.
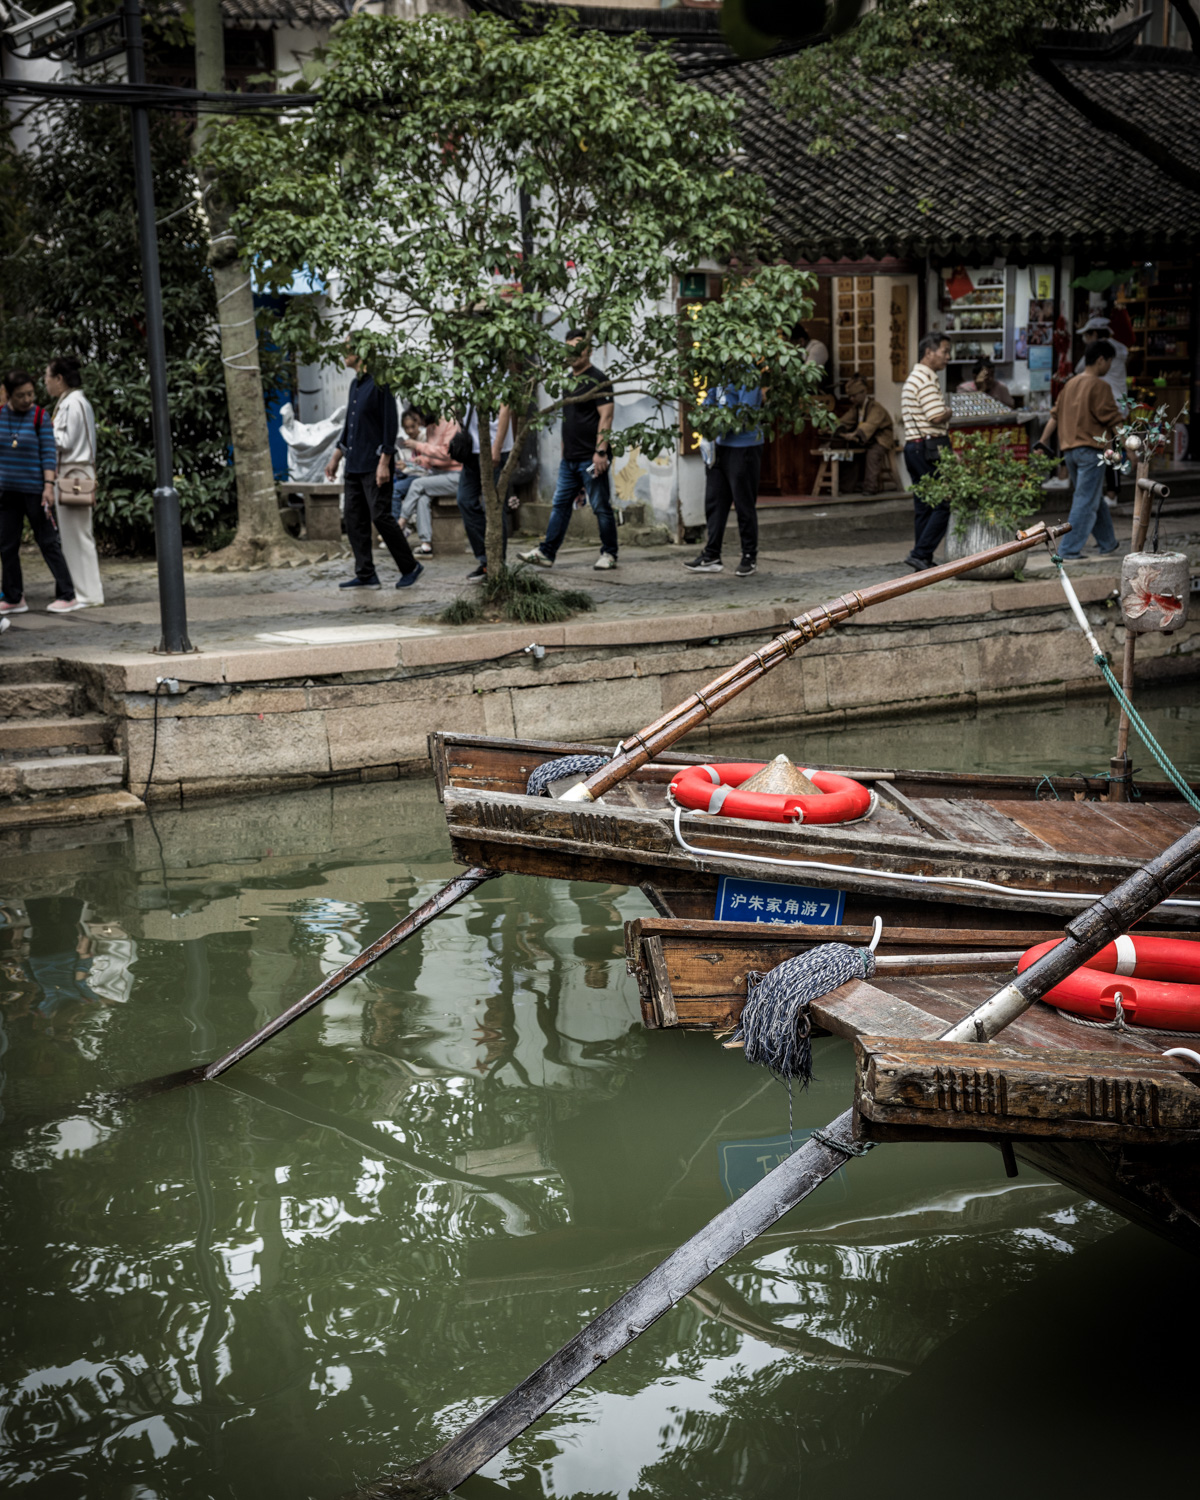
column 368, row 442
column 732, row 479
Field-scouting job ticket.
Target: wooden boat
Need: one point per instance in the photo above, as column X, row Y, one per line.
column 1113, row 1119
column 1028, row 841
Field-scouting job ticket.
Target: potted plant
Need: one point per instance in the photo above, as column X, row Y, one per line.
column 990, row 493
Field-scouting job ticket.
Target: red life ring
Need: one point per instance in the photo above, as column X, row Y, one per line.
column 713, row 789
column 1158, row 980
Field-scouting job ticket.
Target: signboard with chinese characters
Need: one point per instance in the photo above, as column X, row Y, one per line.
column 768, row 901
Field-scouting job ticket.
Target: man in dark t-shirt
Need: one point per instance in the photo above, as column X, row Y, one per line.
column 587, row 422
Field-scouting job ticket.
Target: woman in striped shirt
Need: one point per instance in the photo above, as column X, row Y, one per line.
column 28, row 467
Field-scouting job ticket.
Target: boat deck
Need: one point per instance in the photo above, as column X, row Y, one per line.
column 1019, row 833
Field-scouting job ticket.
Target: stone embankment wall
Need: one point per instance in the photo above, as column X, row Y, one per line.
column 264, row 719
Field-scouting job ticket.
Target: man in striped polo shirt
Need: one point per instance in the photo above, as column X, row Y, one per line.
column 925, row 412
column 28, row 467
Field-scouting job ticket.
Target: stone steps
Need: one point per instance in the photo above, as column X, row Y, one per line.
column 56, row 751
column 55, row 775
column 60, row 735
column 41, row 700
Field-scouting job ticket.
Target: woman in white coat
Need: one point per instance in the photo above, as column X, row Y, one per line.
column 75, row 438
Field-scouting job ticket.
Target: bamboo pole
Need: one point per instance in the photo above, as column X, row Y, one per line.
column 768, row 1200
column 656, row 737
column 1143, row 491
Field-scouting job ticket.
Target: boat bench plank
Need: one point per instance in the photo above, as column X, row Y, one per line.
column 1084, row 827
column 1004, row 1090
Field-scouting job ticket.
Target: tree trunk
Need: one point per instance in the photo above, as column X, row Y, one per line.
column 493, row 505
column 260, row 533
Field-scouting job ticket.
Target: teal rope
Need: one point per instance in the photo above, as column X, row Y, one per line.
column 1147, row 739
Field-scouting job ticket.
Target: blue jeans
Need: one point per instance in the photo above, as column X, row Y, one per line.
column 400, row 487
column 572, row 477
column 1089, row 514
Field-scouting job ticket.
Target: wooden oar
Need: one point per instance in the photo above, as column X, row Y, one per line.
column 655, row 737
column 768, row 1200
column 462, row 885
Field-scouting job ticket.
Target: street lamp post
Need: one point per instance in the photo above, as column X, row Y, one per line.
column 168, row 532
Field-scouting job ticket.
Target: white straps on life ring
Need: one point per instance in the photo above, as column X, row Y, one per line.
column 1126, row 956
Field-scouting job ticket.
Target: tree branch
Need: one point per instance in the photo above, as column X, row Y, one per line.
column 1111, row 123
column 1190, row 20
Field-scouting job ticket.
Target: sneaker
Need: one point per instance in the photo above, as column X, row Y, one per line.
column 406, row 580
column 64, row 606
column 1108, row 551
column 704, row 564
column 605, row 561
column 424, row 550
column 478, row 575
column 537, row 557
column 745, row 568
column 360, row 583
column 13, row 609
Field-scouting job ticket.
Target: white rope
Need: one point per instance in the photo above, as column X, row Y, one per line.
column 1077, row 611
column 240, row 288
column 965, row 881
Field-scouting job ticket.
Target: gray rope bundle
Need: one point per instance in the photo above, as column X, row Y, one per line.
column 775, row 1025
column 541, row 777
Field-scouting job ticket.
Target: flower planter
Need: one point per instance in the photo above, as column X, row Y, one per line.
column 978, row 537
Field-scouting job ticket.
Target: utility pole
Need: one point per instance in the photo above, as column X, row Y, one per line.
column 168, row 532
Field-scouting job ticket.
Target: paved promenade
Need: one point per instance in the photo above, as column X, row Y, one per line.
column 277, row 610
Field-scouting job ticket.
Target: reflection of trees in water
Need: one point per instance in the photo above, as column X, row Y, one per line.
column 316, row 1268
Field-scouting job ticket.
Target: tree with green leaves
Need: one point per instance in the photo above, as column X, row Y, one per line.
column 844, row 48
column 471, row 190
column 68, row 289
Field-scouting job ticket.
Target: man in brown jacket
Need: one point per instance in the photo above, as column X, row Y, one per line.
column 869, row 423
column 1082, row 414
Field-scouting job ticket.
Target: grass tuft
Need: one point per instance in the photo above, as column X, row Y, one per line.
column 517, row 594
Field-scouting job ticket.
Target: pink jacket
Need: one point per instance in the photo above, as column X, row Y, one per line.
column 434, row 451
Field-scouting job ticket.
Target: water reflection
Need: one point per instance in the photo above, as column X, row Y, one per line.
column 321, row 1266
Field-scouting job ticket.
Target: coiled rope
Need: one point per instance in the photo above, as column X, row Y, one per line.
column 775, row 1026
column 542, row 777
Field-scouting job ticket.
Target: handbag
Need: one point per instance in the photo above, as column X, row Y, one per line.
column 77, row 485
column 77, row 482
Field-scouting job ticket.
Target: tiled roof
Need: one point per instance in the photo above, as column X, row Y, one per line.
column 275, row 12
column 1038, row 180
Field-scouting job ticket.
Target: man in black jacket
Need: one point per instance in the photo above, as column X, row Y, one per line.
column 368, row 442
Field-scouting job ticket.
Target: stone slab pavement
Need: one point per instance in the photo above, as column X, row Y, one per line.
column 252, row 610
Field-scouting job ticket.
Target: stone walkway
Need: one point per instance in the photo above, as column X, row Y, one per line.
column 249, row 610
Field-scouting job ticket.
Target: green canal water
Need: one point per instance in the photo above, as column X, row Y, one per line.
column 286, row 1283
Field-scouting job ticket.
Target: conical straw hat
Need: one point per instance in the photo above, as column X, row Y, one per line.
column 780, row 778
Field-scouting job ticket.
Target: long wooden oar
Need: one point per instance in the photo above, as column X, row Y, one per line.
column 462, row 885
column 653, row 739
column 768, row 1200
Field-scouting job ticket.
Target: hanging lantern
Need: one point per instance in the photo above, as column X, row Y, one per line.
column 1154, row 591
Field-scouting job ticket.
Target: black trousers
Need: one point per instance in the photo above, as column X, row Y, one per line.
column 473, row 511
column 15, row 506
column 929, row 521
column 733, row 480
column 367, row 505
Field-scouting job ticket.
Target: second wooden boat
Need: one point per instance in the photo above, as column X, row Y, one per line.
column 1111, row 1117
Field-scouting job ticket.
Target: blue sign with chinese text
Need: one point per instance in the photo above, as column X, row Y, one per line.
column 769, row 901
